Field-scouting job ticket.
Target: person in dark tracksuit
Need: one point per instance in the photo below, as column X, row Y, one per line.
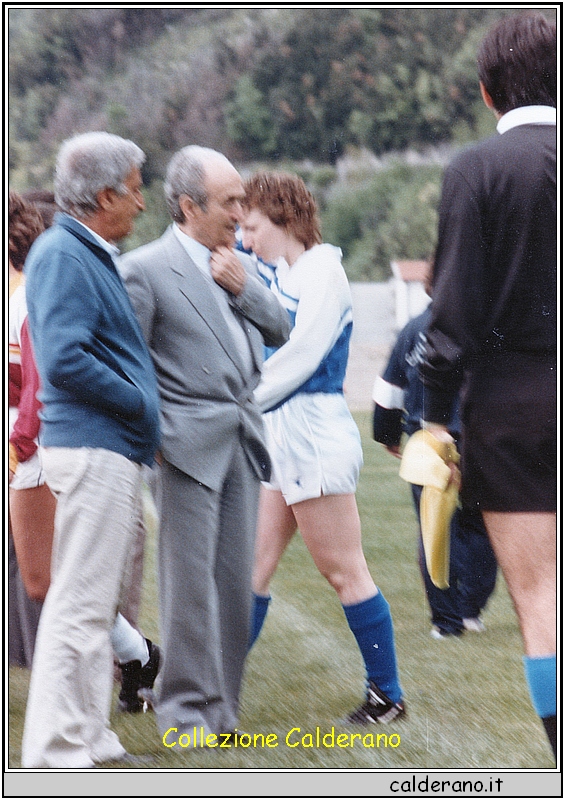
column 398, row 397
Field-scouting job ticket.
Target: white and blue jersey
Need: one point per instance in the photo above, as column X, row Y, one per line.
column 316, row 294
column 312, row 438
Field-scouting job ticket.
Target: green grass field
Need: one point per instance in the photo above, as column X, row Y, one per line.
column 468, row 706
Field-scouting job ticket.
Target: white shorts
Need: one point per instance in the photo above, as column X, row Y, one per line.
column 315, row 447
column 29, row 474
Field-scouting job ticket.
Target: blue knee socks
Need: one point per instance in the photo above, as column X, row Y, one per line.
column 541, row 676
column 258, row 614
column 371, row 624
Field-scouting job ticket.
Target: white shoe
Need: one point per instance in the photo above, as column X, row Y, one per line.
column 474, row 625
column 437, row 633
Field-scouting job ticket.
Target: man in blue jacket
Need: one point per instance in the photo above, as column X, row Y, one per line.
column 99, row 426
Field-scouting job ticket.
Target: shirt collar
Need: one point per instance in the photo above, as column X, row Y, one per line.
column 527, row 115
column 198, row 252
column 109, row 247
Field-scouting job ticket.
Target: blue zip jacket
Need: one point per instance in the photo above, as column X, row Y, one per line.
column 98, row 382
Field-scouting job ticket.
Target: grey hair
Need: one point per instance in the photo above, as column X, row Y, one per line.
column 90, row 162
column 186, row 174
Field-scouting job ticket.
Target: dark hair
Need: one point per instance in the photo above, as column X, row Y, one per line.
column 286, row 201
column 44, row 202
column 24, row 226
column 517, row 62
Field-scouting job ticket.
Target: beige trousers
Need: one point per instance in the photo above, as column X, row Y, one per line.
column 98, row 499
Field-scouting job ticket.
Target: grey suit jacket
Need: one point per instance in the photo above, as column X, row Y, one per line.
column 207, row 404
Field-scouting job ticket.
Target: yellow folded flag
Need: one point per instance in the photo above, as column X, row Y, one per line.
column 425, row 462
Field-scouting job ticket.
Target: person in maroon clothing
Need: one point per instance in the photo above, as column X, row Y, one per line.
column 32, row 505
column 493, row 330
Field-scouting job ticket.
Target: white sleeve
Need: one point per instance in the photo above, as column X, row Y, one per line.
column 387, row 395
column 316, row 326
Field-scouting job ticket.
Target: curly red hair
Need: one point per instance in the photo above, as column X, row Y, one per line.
column 286, row 201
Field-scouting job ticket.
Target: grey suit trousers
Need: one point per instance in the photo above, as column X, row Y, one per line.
column 206, row 550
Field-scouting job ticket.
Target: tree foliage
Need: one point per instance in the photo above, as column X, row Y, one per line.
column 299, row 87
column 385, row 79
column 388, row 215
column 263, row 83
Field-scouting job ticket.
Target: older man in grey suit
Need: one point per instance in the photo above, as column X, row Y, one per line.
column 205, row 314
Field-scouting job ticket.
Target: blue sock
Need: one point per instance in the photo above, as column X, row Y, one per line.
column 258, row 614
column 371, row 624
column 541, row 676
